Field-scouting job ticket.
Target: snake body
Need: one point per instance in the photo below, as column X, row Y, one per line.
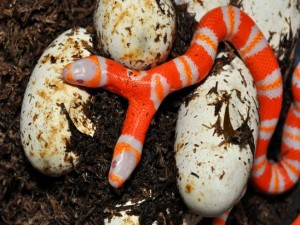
column 145, row 90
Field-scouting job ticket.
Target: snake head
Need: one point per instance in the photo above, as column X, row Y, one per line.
column 83, row 72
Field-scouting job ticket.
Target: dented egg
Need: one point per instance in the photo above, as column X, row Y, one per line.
column 49, row 101
column 136, row 33
column 216, row 136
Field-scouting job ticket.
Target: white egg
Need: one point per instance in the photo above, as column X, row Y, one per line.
column 121, row 216
column 136, row 33
column 213, row 160
column 277, row 19
column 45, row 130
column 200, row 8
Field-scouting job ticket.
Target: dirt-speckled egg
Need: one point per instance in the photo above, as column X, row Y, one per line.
column 47, row 103
column 122, row 214
column 136, row 33
column 199, row 8
column 279, row 20
column 216, row 135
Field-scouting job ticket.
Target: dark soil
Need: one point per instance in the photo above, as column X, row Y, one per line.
column 28, row 197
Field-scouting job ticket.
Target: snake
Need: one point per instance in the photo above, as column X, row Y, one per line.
column 145, row 90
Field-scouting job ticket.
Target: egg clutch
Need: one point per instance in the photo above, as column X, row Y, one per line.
column 46, row 133
column 218, row 125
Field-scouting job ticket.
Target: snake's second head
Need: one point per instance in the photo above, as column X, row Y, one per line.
column 83, row 72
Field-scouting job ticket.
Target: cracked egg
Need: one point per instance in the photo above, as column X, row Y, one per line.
column 49, row 102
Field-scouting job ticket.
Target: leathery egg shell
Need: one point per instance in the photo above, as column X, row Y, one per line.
column 122, row 213
column 48, row 99
column 125, row 216
column 277, row 19
column 136, row 33
column 199, row 8
column 216, row 136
